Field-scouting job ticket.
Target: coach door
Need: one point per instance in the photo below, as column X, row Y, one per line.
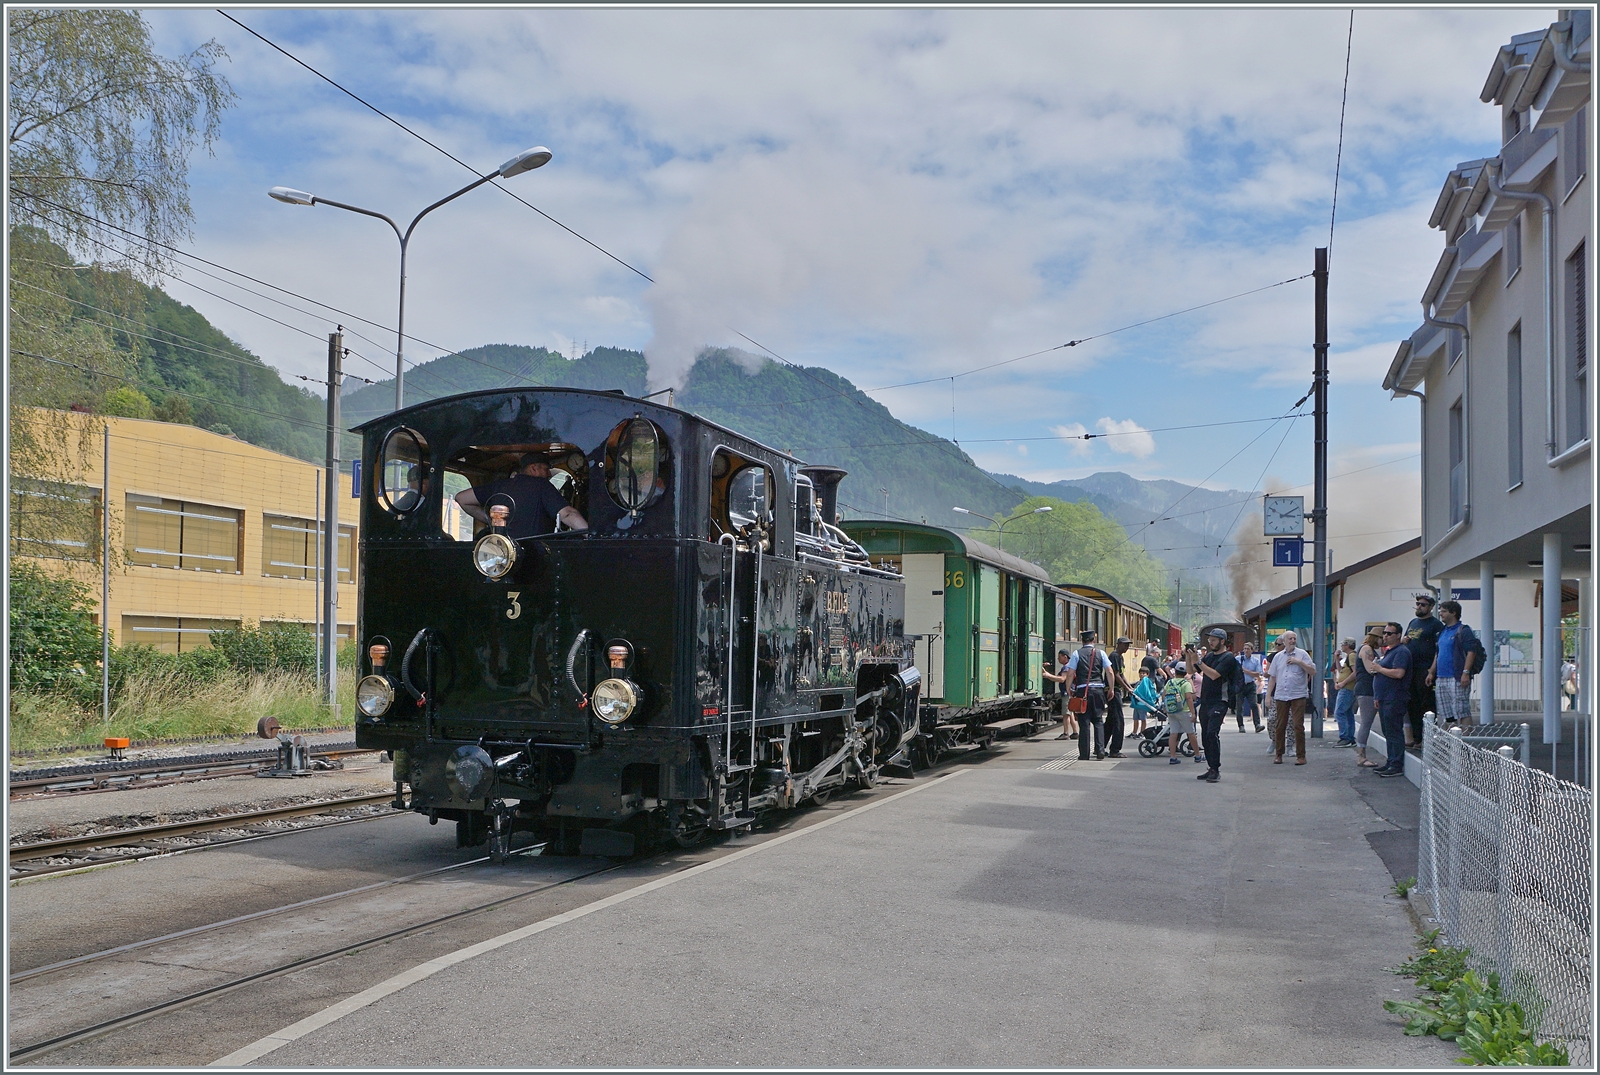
column 925, row 586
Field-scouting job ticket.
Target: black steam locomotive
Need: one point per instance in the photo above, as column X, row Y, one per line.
column 710, row 648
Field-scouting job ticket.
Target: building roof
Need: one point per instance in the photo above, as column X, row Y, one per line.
column 1267, row 608
column 949, row 541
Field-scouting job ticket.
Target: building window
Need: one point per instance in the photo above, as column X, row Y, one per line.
column 290, row 548
column 1575, row 148
column 346, row 631
column 180, row 534
column 1456, row 345
column 1514, row 407
column 1577, row 346
column 172, row 634
column 1458, row 465
column 55, row 520
column 1513, row 251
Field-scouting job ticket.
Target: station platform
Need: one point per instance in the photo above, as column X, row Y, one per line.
column 1016, row 907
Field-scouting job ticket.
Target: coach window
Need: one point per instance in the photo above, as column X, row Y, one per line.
column 403, row 471
column 742, row 494
column 480, row 465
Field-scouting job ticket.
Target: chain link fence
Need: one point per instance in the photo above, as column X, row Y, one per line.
column 1503, row 868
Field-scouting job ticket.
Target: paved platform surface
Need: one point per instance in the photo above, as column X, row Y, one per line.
column 1092, row 914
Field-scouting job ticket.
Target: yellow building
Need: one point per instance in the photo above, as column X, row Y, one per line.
column 206, row 530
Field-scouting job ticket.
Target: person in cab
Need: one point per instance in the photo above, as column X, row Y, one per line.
column 536, row 503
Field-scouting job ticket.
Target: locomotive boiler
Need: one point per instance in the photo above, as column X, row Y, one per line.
column 711, row 647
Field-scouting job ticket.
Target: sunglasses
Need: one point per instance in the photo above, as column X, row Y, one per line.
column 1391, row 632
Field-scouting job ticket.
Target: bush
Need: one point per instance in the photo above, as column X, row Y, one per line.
column 127, row 402
column 277, row 647
column 55, row 646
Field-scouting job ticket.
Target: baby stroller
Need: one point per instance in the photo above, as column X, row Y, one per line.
column 1154, row 739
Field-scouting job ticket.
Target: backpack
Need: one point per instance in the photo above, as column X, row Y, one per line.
column 1173, row 703
column 1237, row 685
column 1474, row 649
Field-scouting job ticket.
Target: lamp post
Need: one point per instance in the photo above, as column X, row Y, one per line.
column 526, row 161
column 1001, row 525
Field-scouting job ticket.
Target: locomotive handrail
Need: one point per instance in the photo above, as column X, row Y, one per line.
column 727, row 693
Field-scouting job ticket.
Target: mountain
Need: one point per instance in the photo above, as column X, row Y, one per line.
column 1181, row 525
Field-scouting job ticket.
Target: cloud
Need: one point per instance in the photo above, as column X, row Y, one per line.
column 1127, row 437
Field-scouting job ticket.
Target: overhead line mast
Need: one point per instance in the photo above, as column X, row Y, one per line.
column 1319, row 511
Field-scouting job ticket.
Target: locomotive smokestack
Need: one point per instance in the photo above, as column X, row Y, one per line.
column 826, row 480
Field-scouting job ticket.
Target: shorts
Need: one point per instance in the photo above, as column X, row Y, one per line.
column 1180, row 724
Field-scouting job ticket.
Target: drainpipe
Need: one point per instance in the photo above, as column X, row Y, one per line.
column 1550, row 377
column 1560, row 42
column 1422, row 421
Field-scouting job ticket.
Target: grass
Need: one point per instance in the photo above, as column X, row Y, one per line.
column 158, row 706
column 1403, row 888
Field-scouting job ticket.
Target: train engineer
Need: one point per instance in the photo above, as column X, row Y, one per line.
column 535, row 505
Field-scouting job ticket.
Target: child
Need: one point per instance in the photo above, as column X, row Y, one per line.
column 1146, row 699
column 1175, row 702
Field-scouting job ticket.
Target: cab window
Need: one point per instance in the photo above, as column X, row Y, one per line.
column 636, row 464
column 403, row 477
column 742, row 495
column 805, row 509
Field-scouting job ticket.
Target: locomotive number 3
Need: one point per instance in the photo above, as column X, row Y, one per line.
column 955, row 581
column 838, row 602
column 516, row 606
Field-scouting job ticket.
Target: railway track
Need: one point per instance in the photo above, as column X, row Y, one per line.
column 147, row 841
column 40, row 1048
column 119, row 775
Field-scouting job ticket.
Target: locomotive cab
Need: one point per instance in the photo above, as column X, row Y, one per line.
column 710, row 646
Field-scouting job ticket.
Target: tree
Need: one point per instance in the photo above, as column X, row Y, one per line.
column 54, row 643
column 1076, row 543
column 100, row 130
column 100, row 133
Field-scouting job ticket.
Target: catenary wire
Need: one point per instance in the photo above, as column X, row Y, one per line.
column 1086, row 339
column 433, row 145
column 1338, row 160
column 170, row 391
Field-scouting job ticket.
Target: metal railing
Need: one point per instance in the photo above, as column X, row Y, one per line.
column 1503, row 868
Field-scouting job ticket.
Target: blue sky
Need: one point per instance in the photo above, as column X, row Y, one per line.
column 895, row 195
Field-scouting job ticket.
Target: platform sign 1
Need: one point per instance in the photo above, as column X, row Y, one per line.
column 355, row 479
column 1288, row 552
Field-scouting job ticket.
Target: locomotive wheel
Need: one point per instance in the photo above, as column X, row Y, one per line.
column 928, row 750
column 689, row 830
column 820, row 798
column 561, row 842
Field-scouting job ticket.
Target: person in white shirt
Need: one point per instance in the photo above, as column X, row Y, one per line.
column 1288, row 691
column 1087, row 676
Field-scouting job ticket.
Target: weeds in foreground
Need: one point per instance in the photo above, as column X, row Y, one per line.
column 1403, row 888
column 1457, row 1004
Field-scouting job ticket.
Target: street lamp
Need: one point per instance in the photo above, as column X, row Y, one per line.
column 1001, row 525
column 526, row 161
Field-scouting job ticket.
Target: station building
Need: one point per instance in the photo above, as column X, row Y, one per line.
column 1500, row 363
column 206, row 531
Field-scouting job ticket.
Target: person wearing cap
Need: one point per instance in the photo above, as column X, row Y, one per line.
column 1422, row 639
column 1089, row 671
column 1217, row 668
column 1069, row 722
column 1121, row 691
column 536, row 504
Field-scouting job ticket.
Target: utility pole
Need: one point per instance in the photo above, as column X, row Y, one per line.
column 330, row 533
column 1319, row 511
column 105, row 581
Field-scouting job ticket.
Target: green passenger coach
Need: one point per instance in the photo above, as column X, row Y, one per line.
column 983, row 621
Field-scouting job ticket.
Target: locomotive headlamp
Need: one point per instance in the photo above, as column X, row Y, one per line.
column 374, row 696
column 494, row 556
column 614, row 700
